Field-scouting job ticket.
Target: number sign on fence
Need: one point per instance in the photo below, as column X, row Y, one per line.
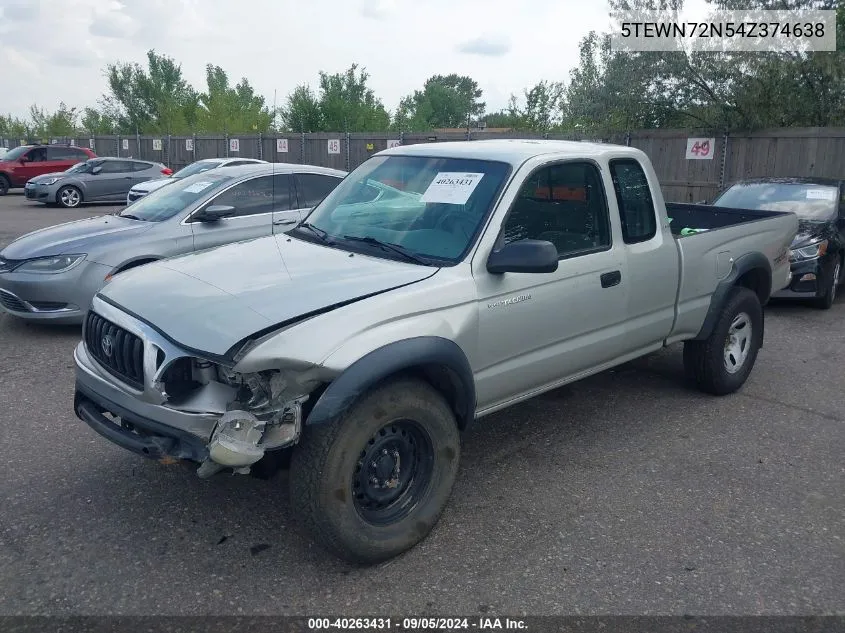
column 334, row 146
column 700, row 148
column 282, row 145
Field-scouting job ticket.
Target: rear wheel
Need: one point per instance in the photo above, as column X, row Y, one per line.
column 4, row 185
column 372, row 483
column 69, row 197
column 721, row 363
column 826, row 300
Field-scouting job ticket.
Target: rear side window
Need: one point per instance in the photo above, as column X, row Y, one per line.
column 116, row 166
column 633, row 195
column 64, row 153
column 139, row 166
column 312, row 188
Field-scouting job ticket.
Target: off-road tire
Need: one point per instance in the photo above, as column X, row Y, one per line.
column 67, row 203
column 705, row 362
column 825, row 302
column 323, row 471
column 5, row 185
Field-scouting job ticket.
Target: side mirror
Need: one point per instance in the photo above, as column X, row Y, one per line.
column 97, row 169
column 215, row 212
column 524, row 256
column 702, row 202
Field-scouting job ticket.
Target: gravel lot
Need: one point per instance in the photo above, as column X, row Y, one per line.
column 627, row 493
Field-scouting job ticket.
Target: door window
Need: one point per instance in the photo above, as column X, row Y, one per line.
column 249, row 197
column 312, row 188
column 37, row 155
column 281, row 193
column 563, row 204
column 116, row 167
column 633, row 195
column 61, row 153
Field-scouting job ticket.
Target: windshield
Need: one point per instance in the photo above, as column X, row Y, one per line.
column 80, row 167
column 14, row 154
column 432, row 208
column 806, row 200
column 164, row 203
column 196, row 168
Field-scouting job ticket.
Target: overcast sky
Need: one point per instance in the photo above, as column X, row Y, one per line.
column 53, row 50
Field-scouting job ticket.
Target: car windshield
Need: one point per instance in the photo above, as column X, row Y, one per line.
column 430, row 208
column 80, row 168
column 14, row 154
column 162, row 204
column 196, row 168
column 808, row 201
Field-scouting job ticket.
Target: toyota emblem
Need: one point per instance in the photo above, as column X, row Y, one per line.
column 107, row 345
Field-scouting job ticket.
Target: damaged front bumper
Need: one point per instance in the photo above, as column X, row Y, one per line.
column 187, row 408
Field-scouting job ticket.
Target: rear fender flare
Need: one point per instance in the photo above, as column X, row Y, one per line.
column 440, row 360
column 742, row 265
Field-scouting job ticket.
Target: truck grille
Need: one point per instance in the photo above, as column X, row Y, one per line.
column 11, row 302
column 117, row 350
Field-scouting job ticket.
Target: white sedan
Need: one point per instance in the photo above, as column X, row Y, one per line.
column 142, row 189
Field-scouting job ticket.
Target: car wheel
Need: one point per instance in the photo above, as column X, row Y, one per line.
column 826, row 300
column 69, row 197
column 4, row 185
column 372, row 483
column 721, row 363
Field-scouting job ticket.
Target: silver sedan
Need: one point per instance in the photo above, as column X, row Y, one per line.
column 95, row 180
column 53, row 274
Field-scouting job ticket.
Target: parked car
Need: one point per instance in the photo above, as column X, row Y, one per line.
column 140, row 190
column 818, row 252
column 95, row 180
column 368, row 336
column 52, row 274
column 28, row 161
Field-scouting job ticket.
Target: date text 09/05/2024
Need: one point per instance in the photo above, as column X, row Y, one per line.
column 417, row 624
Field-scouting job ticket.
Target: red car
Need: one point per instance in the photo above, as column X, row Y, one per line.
column 27, row 161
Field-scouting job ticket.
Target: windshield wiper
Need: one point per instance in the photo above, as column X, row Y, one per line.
column 132, row 217
column 320, row 233
column 387, row 246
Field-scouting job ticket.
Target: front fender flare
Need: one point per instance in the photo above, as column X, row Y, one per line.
column 430, row 354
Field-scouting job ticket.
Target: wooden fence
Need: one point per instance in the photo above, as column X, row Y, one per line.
column 792, row 152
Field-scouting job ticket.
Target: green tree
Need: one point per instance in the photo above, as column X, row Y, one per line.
column 45, row 124
column 153, row 100
column 445, row 101
column 347, row 103
column 301, row 112
column 96, row 121
column 12, row 127
column 231, row 109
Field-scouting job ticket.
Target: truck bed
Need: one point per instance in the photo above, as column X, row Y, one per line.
column 708, row 257
column 703, row 216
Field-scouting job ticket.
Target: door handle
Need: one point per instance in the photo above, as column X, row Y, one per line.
column 611, row 279
column 284, row 222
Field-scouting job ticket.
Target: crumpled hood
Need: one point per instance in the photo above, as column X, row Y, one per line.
column 211, row 300
column 44, row 177
column 809, row 231
column 72, row 237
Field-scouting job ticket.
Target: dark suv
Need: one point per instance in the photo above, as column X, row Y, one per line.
column 27, row 161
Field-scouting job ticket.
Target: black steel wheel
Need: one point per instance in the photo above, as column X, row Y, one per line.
column 372, row 483
column 393, row 472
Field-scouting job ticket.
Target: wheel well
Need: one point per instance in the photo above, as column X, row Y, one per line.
column 134, row 264
column 758, row 281
column 81, row 195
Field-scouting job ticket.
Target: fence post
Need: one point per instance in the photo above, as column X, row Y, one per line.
column 302, row 149
column 227, row 145
column 138, row 142
column 347, row 150
column 167, row 154
column 724, row 164
column 628, row 139
column 260, row 147
column 401, row 137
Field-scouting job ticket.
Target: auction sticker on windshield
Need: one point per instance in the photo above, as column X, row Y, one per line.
column 821, row 194
column 197, row 187
column 451, row 187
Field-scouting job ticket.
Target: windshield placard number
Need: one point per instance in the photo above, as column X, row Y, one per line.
column 451, row 187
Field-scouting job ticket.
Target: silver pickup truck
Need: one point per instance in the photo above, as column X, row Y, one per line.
column 436, row 284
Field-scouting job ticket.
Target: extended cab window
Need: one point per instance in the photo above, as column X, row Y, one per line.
column 563, row 204
column 633, row 196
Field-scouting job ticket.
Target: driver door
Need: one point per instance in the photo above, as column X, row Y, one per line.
column 253, row 201
column 33, row 164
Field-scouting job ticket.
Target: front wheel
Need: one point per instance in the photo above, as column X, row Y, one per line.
column 69, row 197
column 4, row 185
column 825, row 302
column 721, row 363
column 372, row 483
